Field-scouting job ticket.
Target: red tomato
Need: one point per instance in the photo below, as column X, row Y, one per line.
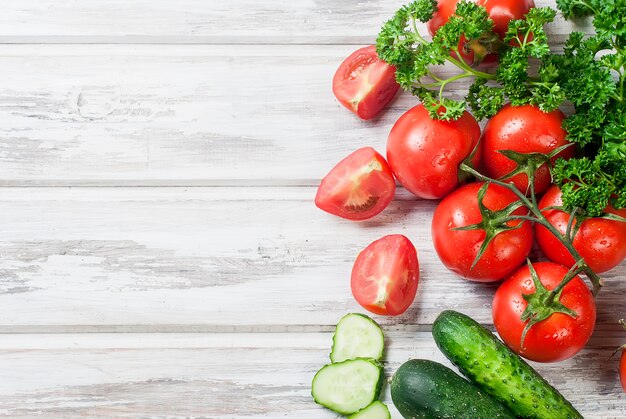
column 457, row 249
column 558, row 337
column 425, row 154
column 385, row 276
column 500, row 11
column 622, row 369
column 601, row 242
column 525, row 129
column 358, row 187
column 364, row 83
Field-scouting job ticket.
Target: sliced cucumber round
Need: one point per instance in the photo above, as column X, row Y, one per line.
column 376, row 410
column 349, row 386
column 357, row 336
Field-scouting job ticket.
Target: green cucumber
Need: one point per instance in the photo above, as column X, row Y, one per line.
column 425, row 389
column 495, row 369
column 349, row 386
column 357, row 336
column 376, row 410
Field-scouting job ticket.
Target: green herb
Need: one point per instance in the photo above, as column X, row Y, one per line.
column 590, row 73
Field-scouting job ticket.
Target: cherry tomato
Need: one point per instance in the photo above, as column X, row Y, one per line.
column 500, row 11
column 600, row 242
column 457, row 249
column 364, row 83
column 385, row 276
column 358, row 187
column 622, row 369
column 556, row 338
column 524, row 129
column 425, row 154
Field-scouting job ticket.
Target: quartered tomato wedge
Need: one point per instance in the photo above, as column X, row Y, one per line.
column 358, row 187
column 385, row 276
column 364, row 83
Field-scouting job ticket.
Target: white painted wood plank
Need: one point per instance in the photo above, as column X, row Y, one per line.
column 176, row 115
column 198, row 21
column 227, row 259
column 231, row 375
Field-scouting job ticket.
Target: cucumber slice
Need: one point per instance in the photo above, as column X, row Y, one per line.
column 357, row 336
column 376, row 410
column 349, row 386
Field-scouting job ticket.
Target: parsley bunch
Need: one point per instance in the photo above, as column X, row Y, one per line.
column 589, row 73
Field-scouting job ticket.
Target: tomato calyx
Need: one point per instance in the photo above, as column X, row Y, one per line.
column 486, row 44
column 544, row 303
column 493, row 222
column 528, row 163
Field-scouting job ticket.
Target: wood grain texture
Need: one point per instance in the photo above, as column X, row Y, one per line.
column 193, row 115
column 200, row 21
column 214, row 258
column 232, row 375
column 204, row 300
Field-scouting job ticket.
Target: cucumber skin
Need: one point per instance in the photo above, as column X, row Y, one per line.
column 497, row 370
column 425, row 389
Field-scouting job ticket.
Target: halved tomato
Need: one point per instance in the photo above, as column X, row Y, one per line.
column 358, row 187
column 385, row 276
column 364, row 83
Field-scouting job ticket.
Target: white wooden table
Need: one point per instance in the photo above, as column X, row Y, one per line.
column 160, row 252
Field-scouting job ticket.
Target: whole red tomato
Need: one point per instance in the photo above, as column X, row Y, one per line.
column 365, row 84
column 457, row 249
column 524, row 129
column 425, row 154
column 556, row 338
column 358, row 187
column 500, row 11
column 385, row 276
column 622, row 369
column 600, row 242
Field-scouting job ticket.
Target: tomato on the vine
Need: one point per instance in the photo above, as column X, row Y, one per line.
column 523, row 129
column 458, row 249
column 364, row 83
column 556, row 338
column 385, row 276
column 500, row 11
column 601, row 242
column 358, row 187
column 425, row 154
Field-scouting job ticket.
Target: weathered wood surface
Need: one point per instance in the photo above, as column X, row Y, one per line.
column 214, row 258
column 202, row 21
column 211, row 289
column 235, row 375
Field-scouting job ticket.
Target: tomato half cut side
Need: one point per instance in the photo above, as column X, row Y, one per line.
column 358, row 187
column 365, row 84
column 385, row 276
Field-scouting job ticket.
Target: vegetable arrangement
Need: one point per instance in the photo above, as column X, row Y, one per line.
column 490, row 185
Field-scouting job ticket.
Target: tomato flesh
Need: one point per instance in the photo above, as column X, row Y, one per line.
column 600, row 242
column 365, row 84
column 558, row 337
column 425, row 154
column 385, row 276
column 457, row 249
column 524, row 129
column 358, row 187
column 500, row 11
